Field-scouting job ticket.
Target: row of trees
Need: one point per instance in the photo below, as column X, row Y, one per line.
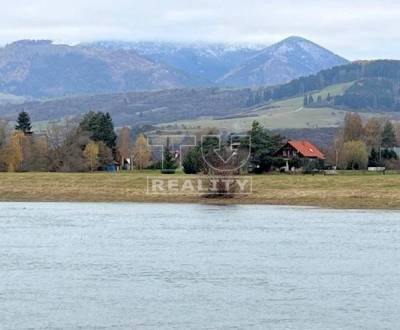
column 88, row 145
column 319, row 101
column 360, row 144
column 373, row 93
column 92, row 144
column 376, row 94
column 262, row 148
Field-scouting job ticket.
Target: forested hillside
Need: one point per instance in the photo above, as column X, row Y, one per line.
column 371, row 93
column 361, row 86
column 375, row 86
column 139, row 107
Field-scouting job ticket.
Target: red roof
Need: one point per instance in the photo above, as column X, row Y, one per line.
column 306, row 148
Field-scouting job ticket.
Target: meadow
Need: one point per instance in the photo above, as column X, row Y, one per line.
column 282, row 114
column 353, row 190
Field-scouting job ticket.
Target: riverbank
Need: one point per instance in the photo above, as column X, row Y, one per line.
column 353, row 190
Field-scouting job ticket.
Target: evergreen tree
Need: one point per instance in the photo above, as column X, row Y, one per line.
column 305, row 101
column 389, row 154
column 262, row 141
column 374, row 159
column 169, row 162
column 388, row 135
column 24, row 123
column 319, row 99
column 263, row 145
column 193, row 161
column 310, row 99
column 101, row 128
column 209, row 144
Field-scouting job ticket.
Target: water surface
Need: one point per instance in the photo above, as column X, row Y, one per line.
column 160, row 266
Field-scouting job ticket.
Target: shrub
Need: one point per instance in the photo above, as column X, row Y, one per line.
column 193, row 162
column 278, row 162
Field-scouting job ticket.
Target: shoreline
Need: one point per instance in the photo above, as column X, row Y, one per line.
column 295, row 206
column 348, row 191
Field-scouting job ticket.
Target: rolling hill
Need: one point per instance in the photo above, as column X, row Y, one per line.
column 43, row 69
column 138, row 108
column 333, row 91
column 371, row 88
column 374, row 86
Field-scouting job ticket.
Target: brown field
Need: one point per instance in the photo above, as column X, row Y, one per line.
column 351, row 190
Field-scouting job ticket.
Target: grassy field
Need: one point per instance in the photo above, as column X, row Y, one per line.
column 282, row 114
column 352, row 190
column 288, row 113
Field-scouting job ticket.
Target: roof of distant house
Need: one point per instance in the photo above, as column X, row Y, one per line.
column 306, row 148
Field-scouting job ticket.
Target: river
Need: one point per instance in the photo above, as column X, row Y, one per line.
column 163, row 266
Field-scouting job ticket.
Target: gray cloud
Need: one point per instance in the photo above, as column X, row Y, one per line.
column 360, row 29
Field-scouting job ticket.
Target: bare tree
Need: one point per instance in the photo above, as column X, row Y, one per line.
column 353, row 127
column 91, row 154
column 3, row 143
column 3, row 132
column 141, row 151
column 222, row 167
column 66, row 147
column 14, row 151
column 373, row 133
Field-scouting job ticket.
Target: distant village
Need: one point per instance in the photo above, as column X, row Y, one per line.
column 93, row 144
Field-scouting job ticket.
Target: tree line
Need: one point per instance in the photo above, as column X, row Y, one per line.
column 92, row 144
column 89, row 145
column 377, row 86
column 261, row 145
column 360, row 144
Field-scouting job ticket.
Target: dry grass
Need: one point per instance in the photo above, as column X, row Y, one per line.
column 353, row 190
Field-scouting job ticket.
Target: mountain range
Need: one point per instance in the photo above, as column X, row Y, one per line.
column 42, row 69
column 280, row 63
column 205, row 63
column 318, row 100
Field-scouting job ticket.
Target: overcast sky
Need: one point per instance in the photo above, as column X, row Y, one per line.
column 358, row 29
